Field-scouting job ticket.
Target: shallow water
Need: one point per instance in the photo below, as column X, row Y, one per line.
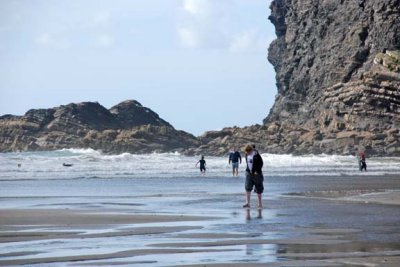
column 168, row 184
column 283, row 217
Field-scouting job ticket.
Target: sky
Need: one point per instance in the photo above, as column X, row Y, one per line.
column 200, row 64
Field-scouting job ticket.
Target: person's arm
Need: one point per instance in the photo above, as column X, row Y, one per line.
column 240, row 159
column 197, row 163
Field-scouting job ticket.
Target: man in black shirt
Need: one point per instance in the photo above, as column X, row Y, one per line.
column 236, row 159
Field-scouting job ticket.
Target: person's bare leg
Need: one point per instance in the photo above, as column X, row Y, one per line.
column 248, row 194
column 259, row 196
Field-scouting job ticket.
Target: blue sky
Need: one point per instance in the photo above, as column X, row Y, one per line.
column 200, row 64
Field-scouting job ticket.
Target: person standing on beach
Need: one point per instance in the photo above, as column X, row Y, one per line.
column 362, row 163
column 254, row 176
column 236, row 159
column 202, row 165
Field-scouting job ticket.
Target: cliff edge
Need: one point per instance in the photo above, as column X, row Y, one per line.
column 337, row 69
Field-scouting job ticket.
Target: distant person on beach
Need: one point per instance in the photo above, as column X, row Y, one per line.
column 361, row 161
column 236, row 159
column 202, row 163
column 254, row 176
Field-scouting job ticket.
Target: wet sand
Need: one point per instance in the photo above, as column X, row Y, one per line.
column 307, row 225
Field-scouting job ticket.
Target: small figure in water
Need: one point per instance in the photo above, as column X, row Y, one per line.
column 361, row 161
column 19, row 165
column 235, row 158
column 67, row 164
column 202, row 165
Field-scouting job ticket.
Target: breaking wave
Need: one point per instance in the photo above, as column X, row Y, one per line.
column 92, row 164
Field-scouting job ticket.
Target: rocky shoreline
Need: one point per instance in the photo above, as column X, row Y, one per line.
column 119, row 130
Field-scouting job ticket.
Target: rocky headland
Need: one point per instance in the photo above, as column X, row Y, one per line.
column 126, row 127
column 337, row 69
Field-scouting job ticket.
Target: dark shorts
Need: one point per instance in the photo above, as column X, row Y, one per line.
column 256, row 181
column 202, row 168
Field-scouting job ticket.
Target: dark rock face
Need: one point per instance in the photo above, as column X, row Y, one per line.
column 126, row 127
column 82, row 116
column 321, row 43
column 131, row 113
column 337, row 70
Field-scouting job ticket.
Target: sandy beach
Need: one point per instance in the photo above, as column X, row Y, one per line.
column 340, row 221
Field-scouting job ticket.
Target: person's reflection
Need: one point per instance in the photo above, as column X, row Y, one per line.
column 248, row 216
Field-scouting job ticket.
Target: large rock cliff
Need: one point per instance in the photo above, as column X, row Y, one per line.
column 126, row 127
column 337, row 66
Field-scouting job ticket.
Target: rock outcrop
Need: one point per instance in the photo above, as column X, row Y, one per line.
column 126, row 127
column 337, row 69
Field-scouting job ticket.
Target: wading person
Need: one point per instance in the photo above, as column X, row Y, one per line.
column 202, row 163
column 236, row 159
column 254, row 176
column 361, row 161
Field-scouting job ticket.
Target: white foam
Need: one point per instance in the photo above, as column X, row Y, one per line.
column 89, row 163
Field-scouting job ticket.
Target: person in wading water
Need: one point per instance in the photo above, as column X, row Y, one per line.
column 254, row 176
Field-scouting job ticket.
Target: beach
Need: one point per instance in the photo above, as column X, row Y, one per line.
column 199, row 221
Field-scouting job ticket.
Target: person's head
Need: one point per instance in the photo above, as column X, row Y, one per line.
column 248, row 149
column 202, row 157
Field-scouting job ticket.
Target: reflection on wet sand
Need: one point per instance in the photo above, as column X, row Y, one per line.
column 249, row 214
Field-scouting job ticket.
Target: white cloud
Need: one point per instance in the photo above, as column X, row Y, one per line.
column 188, row 37
column 202, row 24
column 105, row 40
column 52, row 41
column 248, row 41
column 44, row 39
column 101, row 19
column 196, row 7
column 220, row 24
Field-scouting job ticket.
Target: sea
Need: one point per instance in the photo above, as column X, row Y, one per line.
column 92, row 164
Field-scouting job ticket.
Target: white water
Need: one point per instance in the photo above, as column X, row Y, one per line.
column 89, row 163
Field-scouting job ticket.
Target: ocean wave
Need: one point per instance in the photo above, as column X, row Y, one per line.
column 89, row 163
